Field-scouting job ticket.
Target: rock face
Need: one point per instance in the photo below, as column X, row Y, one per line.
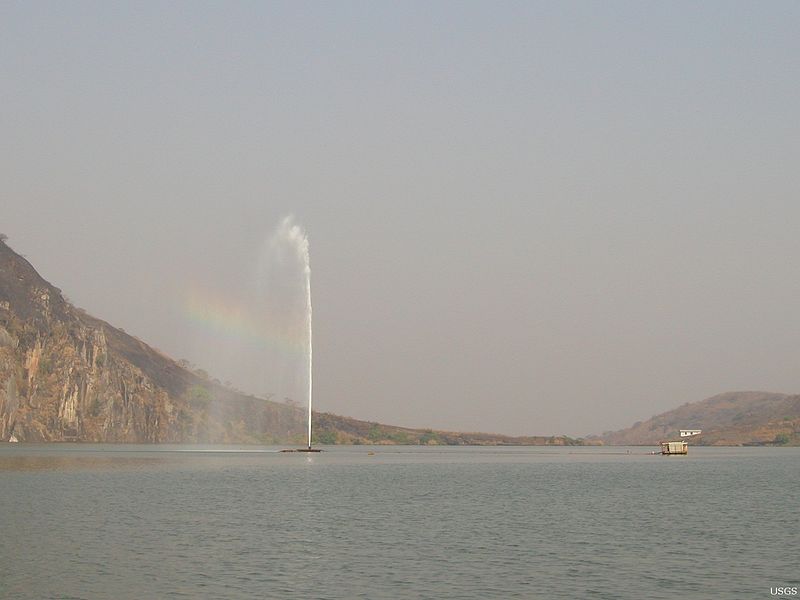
column 65, row 375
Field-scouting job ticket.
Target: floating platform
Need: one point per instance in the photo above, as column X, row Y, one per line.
column 668, row 448
column 302, row 450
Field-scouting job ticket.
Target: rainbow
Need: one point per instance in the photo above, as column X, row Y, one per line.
column 228, row 319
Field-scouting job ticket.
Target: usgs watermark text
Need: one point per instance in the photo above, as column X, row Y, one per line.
column 782, row 590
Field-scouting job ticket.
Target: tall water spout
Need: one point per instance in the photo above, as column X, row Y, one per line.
column 299, row 240
column 307, row 259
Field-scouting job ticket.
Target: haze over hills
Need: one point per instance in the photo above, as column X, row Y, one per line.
column 68, row 376
column 729, row 419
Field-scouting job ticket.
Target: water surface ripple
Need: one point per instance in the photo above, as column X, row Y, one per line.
column 106, row 521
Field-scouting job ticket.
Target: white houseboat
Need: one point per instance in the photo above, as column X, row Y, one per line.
column 674, row 447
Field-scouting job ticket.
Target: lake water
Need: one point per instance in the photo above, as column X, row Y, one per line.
column 104, row 521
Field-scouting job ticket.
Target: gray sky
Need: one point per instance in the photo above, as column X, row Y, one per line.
column 533, row 217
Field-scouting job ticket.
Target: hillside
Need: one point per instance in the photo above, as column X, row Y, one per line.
column 730, row 419
column 68, row 376
column 65, row 375
column 344, row 430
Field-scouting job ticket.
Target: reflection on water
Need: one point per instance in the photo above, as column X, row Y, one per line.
column 105, row 457
column 67, row 462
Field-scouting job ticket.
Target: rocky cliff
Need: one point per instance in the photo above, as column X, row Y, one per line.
column 65, row 375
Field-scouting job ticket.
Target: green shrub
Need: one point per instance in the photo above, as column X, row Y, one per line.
column 199, row 397
column 325, row 437
column 400, row 437
column 374, row 433
column 428, row 437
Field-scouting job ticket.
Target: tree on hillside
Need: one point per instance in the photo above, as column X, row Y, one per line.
column 781, row 439
column 3, row 237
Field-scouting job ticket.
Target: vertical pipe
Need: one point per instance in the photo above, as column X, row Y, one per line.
column 310, row 346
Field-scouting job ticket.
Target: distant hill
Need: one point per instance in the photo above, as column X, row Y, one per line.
column 730, row 419
column 68, row 376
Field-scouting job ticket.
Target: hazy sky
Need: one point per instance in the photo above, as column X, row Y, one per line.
column 533, row 217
